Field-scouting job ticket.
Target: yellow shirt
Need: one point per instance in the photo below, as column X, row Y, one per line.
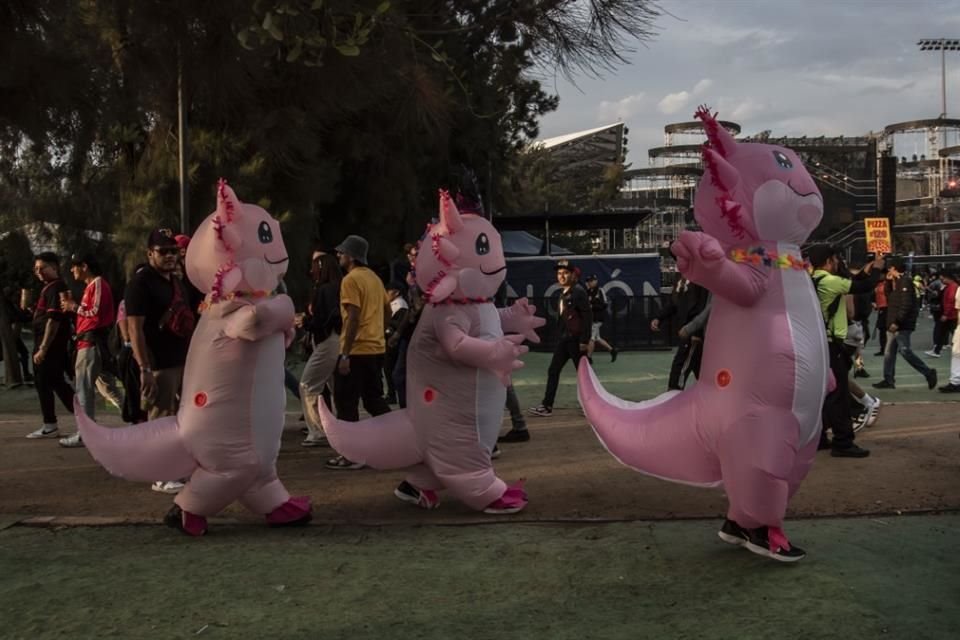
column 363, row 289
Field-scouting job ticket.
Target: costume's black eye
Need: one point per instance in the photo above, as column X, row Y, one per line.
column 483, row 244
column 782, row 160
column 265, row 233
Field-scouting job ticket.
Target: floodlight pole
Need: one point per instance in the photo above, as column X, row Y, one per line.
column 941, row 45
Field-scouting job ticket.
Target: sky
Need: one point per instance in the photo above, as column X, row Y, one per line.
column 796, row 67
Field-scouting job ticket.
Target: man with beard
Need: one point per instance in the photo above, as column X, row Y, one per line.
column 160, row 323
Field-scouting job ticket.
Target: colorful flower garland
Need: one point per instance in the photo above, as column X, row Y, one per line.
column 759, row 256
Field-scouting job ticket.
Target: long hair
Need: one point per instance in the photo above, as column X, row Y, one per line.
column 329, row 270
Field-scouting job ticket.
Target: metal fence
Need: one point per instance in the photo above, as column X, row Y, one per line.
column 626, row 325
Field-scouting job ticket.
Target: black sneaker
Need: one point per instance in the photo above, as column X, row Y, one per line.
column 824, row 444
column 878, row 353
column 758, row 542
column 950, row 388
column 515, row 435
column 932, row 379
column 541, row 411
column 407, row 492
column 883, row 384
column 861, row 373
column 613, row 355
column 852, row 451
column 732, row 533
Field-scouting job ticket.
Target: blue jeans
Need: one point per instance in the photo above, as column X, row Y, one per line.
column 900, row 341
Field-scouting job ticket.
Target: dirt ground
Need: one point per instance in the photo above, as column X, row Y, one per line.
column 915, row 467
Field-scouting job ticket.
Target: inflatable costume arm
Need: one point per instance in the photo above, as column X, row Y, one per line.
column 701, row 259
column 499, row 356
column 257, row 321
column 519, row 318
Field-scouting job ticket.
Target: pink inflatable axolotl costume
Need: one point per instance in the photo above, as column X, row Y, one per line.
column 226, row 435
column 458, row 364
column 752, row 421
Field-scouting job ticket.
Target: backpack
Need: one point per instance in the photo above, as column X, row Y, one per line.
column 178, row 319
column 832, row 308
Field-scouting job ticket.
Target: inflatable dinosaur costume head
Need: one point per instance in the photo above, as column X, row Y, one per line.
column 753, row 192
column 237, row 250
column 463, row 262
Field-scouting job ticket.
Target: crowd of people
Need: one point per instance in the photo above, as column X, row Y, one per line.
column 355, row 331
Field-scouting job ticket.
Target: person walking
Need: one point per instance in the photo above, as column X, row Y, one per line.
column 598, row 307
column 323, row 325
column 95, row 317
column 575, row 321
column 902, row 311
column 947, row 312
column 160, row 323
column 952, row 301
column 687, row 301
column 833, row 282
column 364, row 311
column 51, row 337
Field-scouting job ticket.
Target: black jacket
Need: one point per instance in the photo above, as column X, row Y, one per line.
column 598, row 303
column 903, row 307
column 325, row 317
column 575, row 315
column 687, row 300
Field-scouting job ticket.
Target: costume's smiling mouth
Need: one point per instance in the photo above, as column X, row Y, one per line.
column 490, row 273
column 803, row 195
column 281, row 261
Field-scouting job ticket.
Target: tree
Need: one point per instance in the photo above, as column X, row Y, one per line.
column 336, row 115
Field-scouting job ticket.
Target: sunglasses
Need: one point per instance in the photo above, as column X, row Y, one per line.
column 167, row 251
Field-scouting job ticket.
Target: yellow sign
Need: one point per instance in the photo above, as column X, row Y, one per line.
column 878, row 235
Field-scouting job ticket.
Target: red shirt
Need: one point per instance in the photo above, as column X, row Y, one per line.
column 880, row 294
column 95, row 310
column 950, row 301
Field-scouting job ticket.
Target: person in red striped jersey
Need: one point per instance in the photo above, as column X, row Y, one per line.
column 95, row 316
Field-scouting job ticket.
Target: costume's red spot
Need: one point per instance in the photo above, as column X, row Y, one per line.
column 429, row 395
column 200, row 399
column 723, row 378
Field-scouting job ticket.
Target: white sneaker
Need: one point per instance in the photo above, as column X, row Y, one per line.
column 46, row 431
column 167, row 487
column 72, row 442
column 931, row 353
column 873, row 412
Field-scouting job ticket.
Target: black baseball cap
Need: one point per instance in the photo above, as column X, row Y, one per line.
column 162, row 237
column 564, row 264
column 592, row 276
column 84, row 258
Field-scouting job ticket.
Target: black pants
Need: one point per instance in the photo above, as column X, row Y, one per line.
column 836, row 406
column 881, row 329
column 364, row 382
column 49, row 381
column 389, row 364
column 567, row 349
column 129, row 373
column 24, row 355
column 686, row 350
column 942, row 331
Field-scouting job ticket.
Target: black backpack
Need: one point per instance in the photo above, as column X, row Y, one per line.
column 834, row 305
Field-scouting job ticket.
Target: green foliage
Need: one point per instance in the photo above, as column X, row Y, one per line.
column 339, row 115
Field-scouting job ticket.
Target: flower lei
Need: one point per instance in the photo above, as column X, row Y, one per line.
column 758, row 256
column 252, row 295
column 461, row 301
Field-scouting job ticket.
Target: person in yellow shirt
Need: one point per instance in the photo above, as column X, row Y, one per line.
column 365, row 311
